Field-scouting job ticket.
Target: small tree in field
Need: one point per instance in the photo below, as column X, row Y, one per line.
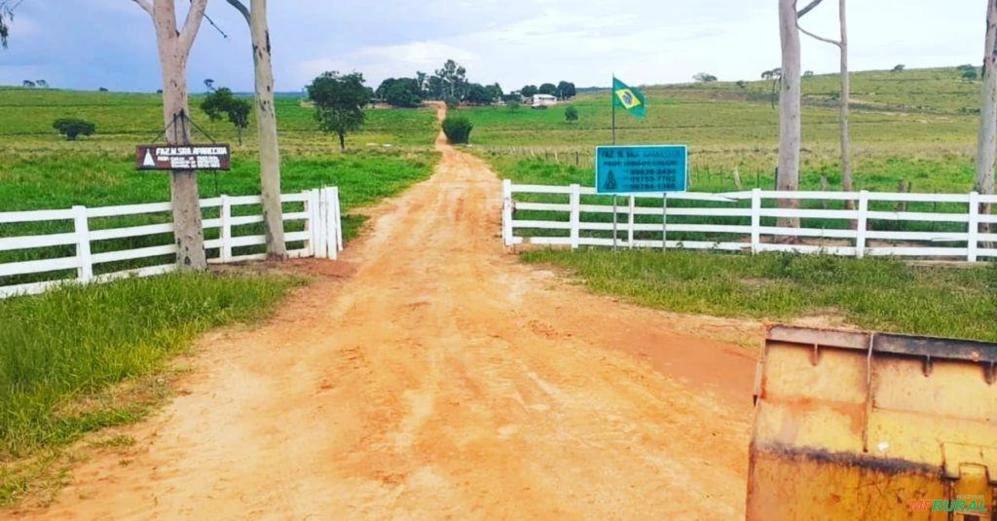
column 899, row 68
column 571, row 113
column 704, row 77
column 221, row 103
column 457, row 129
column 339, row 103
column 73, row 128
column 970, row 74
column 28, row 84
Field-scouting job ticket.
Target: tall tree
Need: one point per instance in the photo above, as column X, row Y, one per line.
column 6, row 15
column 222, row 103
column 788, row 177
column 339, row 102
column 843, row 105
column 987, row 142
column 266, row 122
column 174, row 45
column 566, row 90
column 454, row 79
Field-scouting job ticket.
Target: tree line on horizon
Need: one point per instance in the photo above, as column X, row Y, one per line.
column 451, row 85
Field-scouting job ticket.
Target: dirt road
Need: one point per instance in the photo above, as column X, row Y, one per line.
column 440, row 380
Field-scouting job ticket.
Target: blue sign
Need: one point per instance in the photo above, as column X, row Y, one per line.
column 632, row 169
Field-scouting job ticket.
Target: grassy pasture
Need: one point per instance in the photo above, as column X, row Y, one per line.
column 917, row 126
column 879, row 294
column 38, row 170
column 62, row 352
column 75, row 360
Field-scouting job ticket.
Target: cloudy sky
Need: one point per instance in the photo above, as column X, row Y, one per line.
column 88, row 44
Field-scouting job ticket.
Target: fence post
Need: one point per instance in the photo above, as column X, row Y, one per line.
column 756, row 219
column 82, row 227
column 337, row 220
column 630, row 225
column 862, row 225
column 973, row 243
column 664, row 222
column 507, row 208
column 329, row 224
column 225, row 230
column 321, row 233
column 576, row 216
column 309, row 225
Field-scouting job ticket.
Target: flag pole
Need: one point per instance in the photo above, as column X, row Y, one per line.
column 612, row 97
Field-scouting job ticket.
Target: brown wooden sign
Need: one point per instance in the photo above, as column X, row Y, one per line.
column 185, row 157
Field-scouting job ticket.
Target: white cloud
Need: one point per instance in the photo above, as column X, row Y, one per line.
column 510, row 41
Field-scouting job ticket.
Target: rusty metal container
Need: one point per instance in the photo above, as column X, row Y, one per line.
column 854, row 426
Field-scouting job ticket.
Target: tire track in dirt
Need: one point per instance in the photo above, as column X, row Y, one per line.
column 441, row 380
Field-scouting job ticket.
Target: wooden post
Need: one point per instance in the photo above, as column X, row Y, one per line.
column 863, row 222
column 507, row 210
column 973, row 228
column 225, row 230
column 630, row 225
column 756, row 219
column 84, row 273
column 576, row 216
column 337, row 220
column 664, row 222
column 309, row 224
column 321, row 232
column 614, row 222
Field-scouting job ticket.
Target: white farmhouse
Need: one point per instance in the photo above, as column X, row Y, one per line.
column 544, row 100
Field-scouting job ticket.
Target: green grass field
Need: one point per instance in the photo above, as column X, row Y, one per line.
column 916, row 126
column 62, row 353
column 879, row 294
column 76, row 360
column 38, row 170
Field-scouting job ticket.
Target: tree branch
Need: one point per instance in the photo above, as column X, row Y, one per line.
column 241, row 7
column 815, row 37
column 810, row 7
column 192, row 24
column 145, row 4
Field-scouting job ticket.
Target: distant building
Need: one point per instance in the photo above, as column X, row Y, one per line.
column 543, row 100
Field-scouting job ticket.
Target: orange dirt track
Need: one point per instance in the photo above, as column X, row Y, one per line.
column 440, row 380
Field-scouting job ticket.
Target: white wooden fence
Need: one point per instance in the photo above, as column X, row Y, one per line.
column 635, row 220
column 322, row 237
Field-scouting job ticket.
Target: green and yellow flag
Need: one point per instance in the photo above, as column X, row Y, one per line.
column 631, row 99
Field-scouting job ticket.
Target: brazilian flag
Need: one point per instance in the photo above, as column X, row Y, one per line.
column 631, row 99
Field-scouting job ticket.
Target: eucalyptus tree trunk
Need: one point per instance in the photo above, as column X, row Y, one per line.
column 987, row 142
column 843, row 105
column 788, row 177
column 266, row 118
column 846, row 93
column 174, row 50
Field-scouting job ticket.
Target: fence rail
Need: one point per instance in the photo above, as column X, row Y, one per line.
column 868, row 223
column 321, row 237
